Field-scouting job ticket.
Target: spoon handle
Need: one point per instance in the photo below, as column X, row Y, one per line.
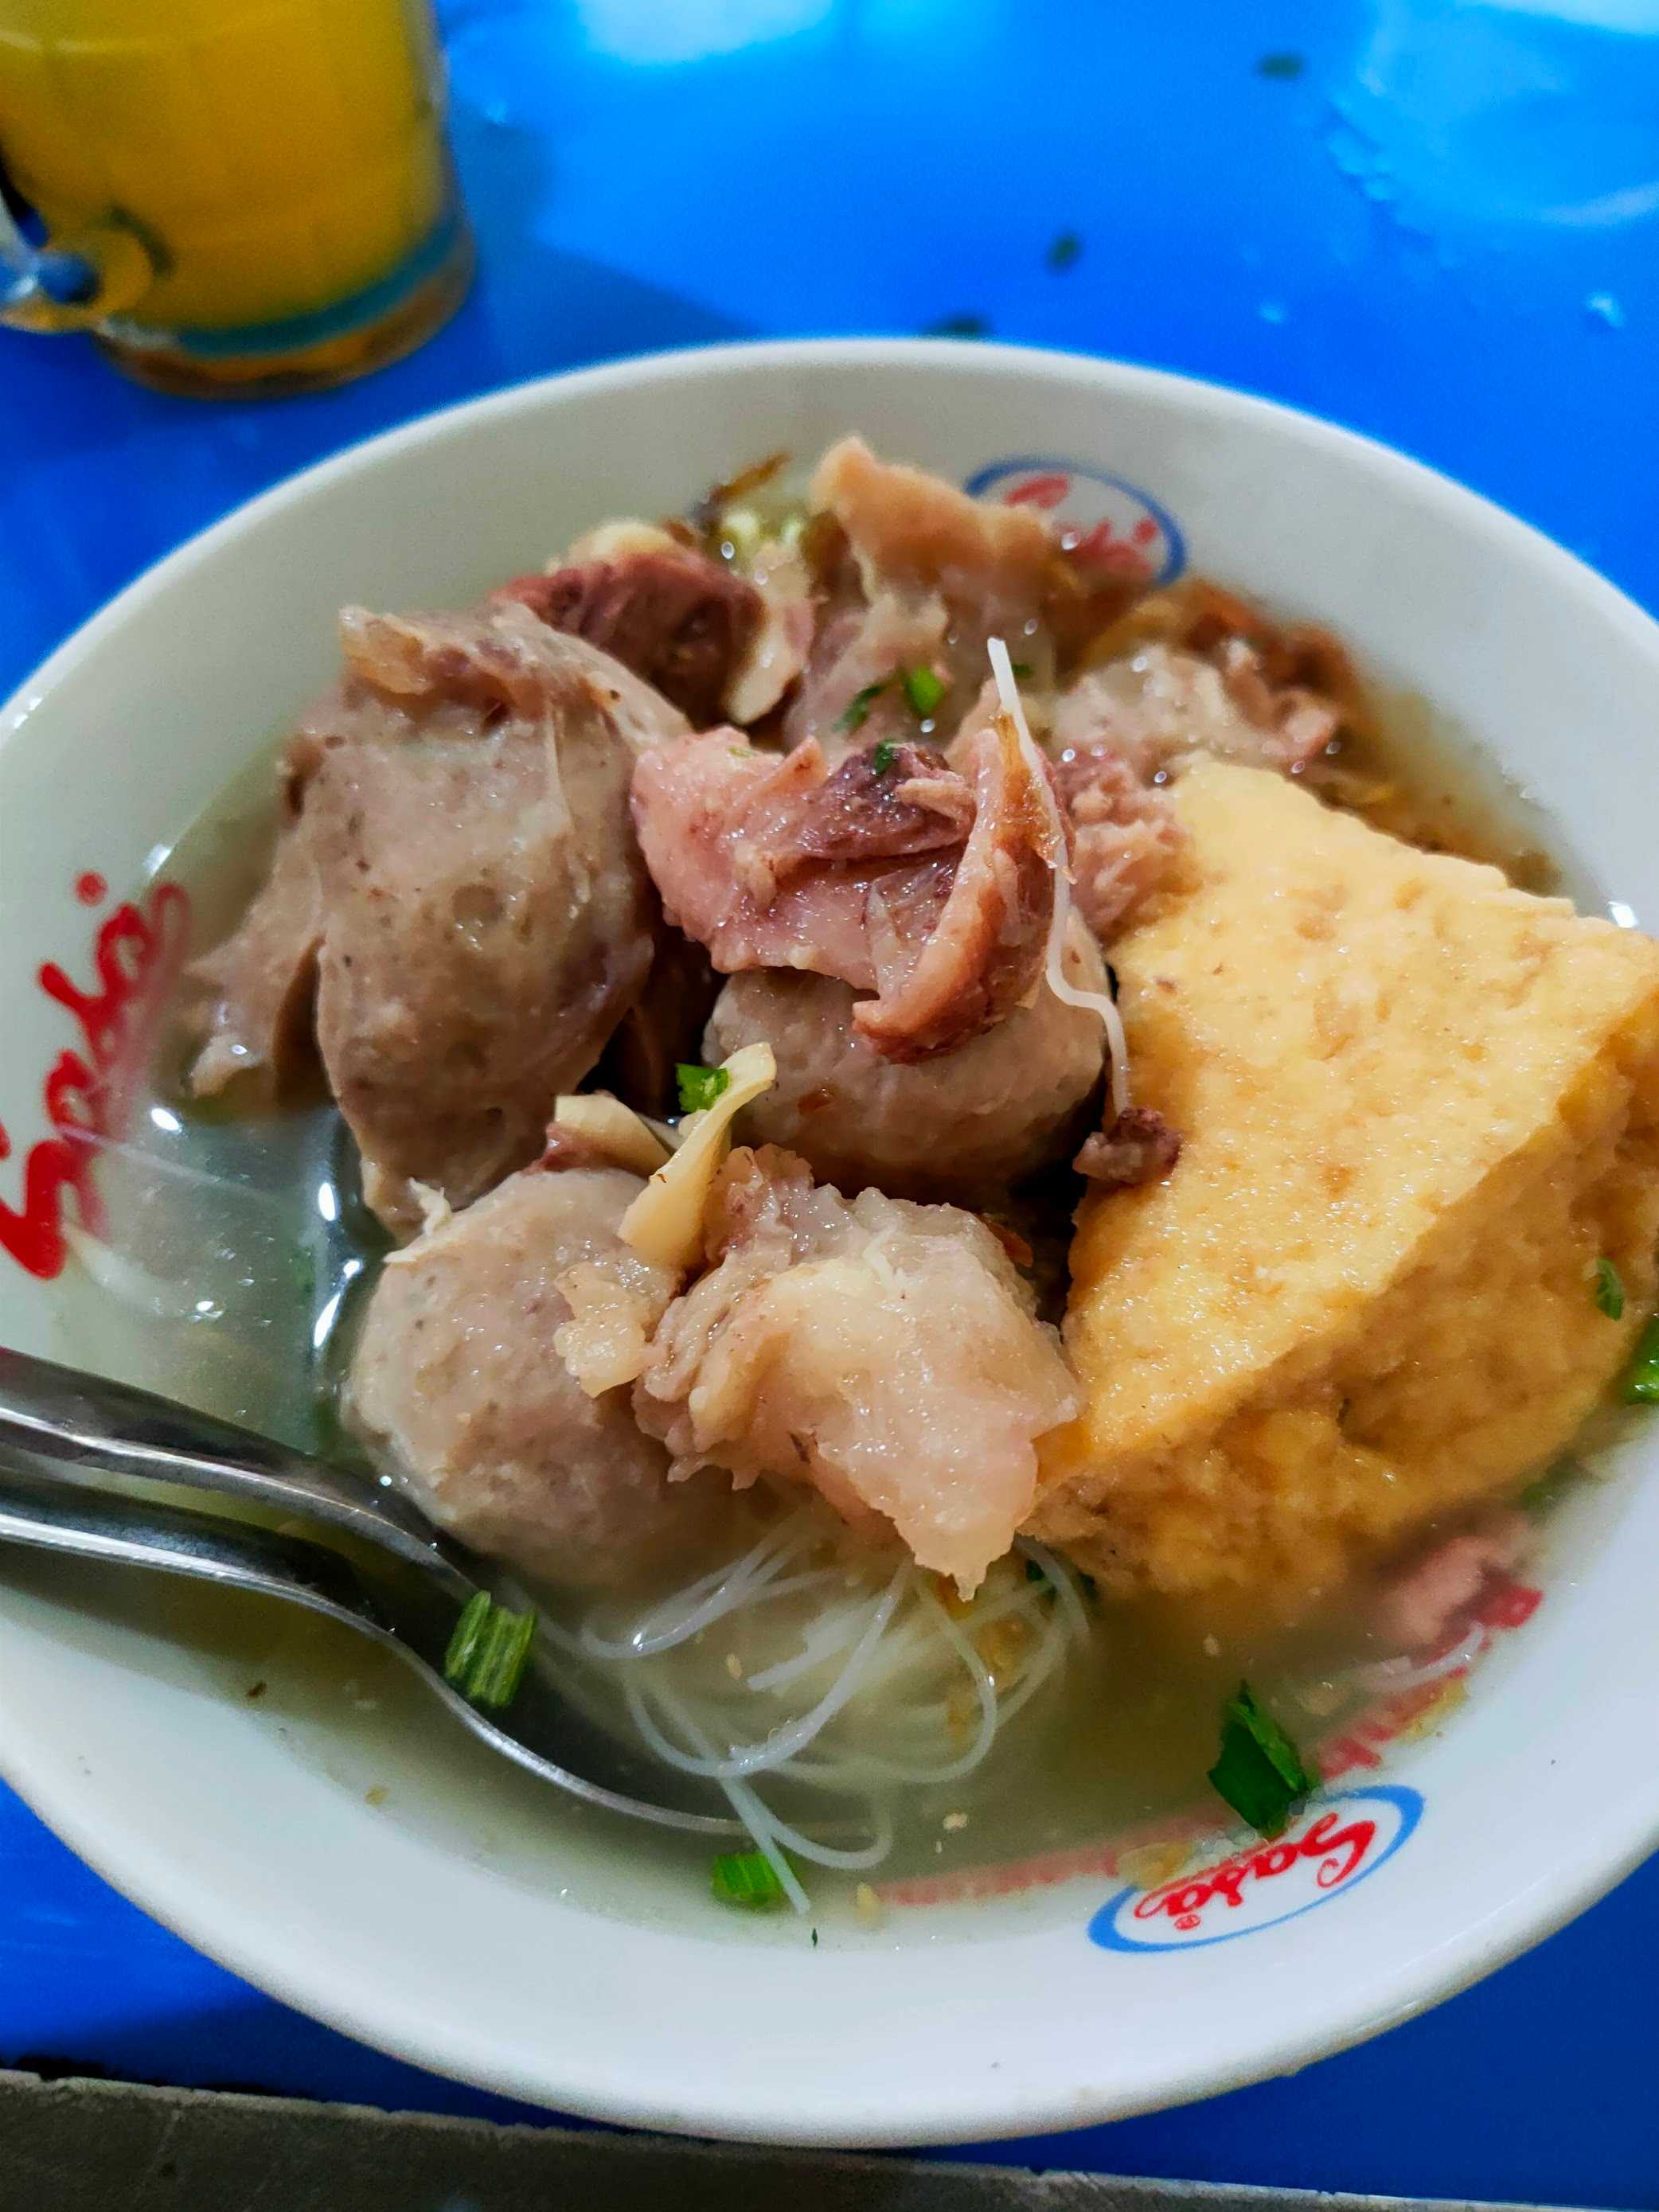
column 78, row 1426
column 131, row 1532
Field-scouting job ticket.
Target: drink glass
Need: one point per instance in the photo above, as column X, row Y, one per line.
column 236, row 196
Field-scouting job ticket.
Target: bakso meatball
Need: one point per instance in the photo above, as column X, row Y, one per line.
column 463, row 1382
column 885, row 1353
column 457, row 917
column 966, row 1122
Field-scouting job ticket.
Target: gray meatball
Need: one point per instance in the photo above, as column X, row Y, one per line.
column 964, row 1123
column 460, row 1390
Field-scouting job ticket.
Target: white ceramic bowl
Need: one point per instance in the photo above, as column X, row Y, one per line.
column 466, row 1921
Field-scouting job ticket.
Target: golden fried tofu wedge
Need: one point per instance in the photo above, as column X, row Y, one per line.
column 1418, row 1106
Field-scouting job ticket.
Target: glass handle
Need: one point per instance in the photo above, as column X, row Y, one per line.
column 69, row 284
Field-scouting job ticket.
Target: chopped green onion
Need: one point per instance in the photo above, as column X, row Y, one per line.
column 469, row 1631
column 1642, row 1375
column 1609, row 1291
column 1259, row 1772
column 746, row 1879
column 1021, row 668
column 512, row 1635
column 924, row 690
column 699, row 1087
column 489, row 1651
column 856, row 713
column 883, row 757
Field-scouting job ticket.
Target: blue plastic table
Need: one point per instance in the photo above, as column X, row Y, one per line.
column 1436, row 221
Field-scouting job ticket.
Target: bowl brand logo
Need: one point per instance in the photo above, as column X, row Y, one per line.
column 1336, row 1844
column 1104, row 521
column 136, row 957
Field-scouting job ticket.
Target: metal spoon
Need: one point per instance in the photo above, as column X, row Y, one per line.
column 68, row 1436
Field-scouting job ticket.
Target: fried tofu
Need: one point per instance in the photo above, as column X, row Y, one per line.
column 1419, row 1106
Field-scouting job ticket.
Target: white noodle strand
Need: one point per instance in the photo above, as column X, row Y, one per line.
column 1096, row 1002
column 892, row 1645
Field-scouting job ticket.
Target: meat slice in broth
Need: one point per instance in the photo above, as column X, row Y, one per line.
column 766, row 859
column 964, row 1123
column 683, row 622
column 1122, row 729
column 847, row 696
column 925, row 576
column 461, row 880
column 463, row 1382
column 930, row 888
column 1161, row 703
column 885, row 1353
column 1125, row 839
column 983, row 953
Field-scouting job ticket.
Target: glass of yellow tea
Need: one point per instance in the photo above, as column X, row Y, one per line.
column 237, row 196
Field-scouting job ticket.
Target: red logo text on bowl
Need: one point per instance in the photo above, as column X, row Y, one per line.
column 1336, row 1844
column 1104, row 521
column 136, row 956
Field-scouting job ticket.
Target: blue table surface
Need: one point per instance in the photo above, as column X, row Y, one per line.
column 1434, row 221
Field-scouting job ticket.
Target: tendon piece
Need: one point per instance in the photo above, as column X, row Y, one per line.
column 1361, row 1302
column 465, row 1383
column 964, row 1124
column 681, row 621
column 462, row 876
column 883, row 1353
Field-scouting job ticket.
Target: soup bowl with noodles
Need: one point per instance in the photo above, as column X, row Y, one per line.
column 1091, row 1798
